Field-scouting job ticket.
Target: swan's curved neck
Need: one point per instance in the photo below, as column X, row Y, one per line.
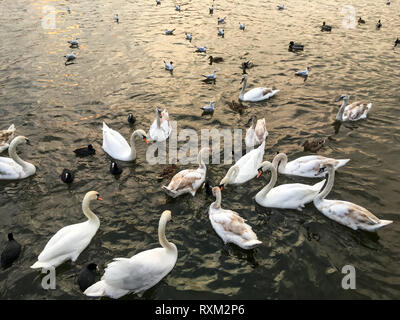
column 217, row 203
column 161, row 235
column 329, row 185
column 132, row 143
column 282, row 158
column 200, row 160
column 243, row 88
column 341, row 110
column 12, row 151
column 89, row 213
column 274, row 177
column 158, row 119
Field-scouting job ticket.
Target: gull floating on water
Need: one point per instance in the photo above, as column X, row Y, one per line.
column 116, row 18
column 241, row 26
column 158, row 2
column 209, row 108
column 212, row 76
column 281, row 7
column 69, row 10
column 70, row 57
column 74, row 43
column 221, row 32
column 169, row 32
column 168, row 66
column 221, row 20
column 303, row 73
column 188, row 36
column 379, row 24
column 201, row 49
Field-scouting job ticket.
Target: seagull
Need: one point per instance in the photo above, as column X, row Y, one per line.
column 116, row 18
column 70, row 57
column 241, row 26
column 396, row 42
column 208, row 108
column 221, row 20
column 221, row 32
column 303, row 73
column 169, row 32
column 74, row 43
column 201, row 49
column 212, row 76
column 379, row 24
column 188, row 36
column 68, row 9
column 178, row 8
column 158, row 2
column 169, row 66
column 281, row 7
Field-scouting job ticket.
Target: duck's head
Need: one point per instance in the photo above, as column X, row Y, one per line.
column 291, row 43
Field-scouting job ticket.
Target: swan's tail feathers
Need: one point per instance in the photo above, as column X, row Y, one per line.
column 11, row 128
column 101, row 288
column 274, row 92
column 41, row 264
column 341, row 163
column 252, row 243
column 383, row 223
column 169, row 192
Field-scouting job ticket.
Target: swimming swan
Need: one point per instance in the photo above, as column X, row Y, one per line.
column 356, row 111
column 257, row 132
column 256, row 94
column 160, row 128
column 140, row 272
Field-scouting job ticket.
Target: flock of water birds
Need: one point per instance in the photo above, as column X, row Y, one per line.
column 147, row 268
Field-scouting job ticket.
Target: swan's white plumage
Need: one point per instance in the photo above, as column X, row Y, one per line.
column 162, row 132
column 256, row 135
column 256, row 94
column 115, row 144
column 5, row 137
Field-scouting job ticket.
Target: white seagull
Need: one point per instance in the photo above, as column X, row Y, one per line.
column 201, row 49
column 209, row 108
column 221, row 32
column 281, row 7
column 116, row 18
column 221, row 20
column 70, row 57
column 74, row 43
column 188, row 36
column 241, row 26
column 168, row 66
column 212, row 76
column 303, row 73
column 169, row 32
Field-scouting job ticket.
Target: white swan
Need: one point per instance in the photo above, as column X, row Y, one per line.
column 256, row 94
column 285, row 196
column 70, row 241
column 189, row 180
column 307, row 166
column 115, row 145
column 346, row 213
column 356, row 111
column 160, row 128
column 5, row 137
column 15, row 168
column 140, row 272
column 230, row 226
column 245, row 168
column 257, row 132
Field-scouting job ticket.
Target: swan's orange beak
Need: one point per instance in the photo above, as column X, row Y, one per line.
column 221, row 187
column 99, row 198
column 145, row 140
column 259, row 173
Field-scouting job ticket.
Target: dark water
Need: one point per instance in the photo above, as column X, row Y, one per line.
column 119, row 69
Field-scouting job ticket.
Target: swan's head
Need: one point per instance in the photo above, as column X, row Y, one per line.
column 252, row 120
column 325, row 167
column 158, row 110
column 20, row 139
column 266, row 165
column 141, row 133
column 166, row 215
column 216, row 190
column 343, row 97
column 230, row 176
column 244, row 78
column 92, row 195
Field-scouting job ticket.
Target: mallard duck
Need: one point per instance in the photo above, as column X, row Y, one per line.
column 5, row 137
column 325, row 27
column 313, row 145
column 215, row 60
column 295, row 46
column 379, row 24
column 237, row 107
column 361, row 21
column 167, row 172
column 396, row 42
column 356, row 111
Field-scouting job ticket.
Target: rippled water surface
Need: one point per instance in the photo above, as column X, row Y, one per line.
column 119, row 69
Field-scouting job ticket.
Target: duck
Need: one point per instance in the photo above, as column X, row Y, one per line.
column 209, row 108
column 115, row 169
column 295, row 46
column 169, row 32
column 67, row 176
column 257, row 132
column 87, row 276
column 221, row 20
column 396, row 42
column 201, row 49
column 14, row 168
column 140, row 272
column 230, row 226
column 167, row 172
column 255, row 94
column 160, row 129
column 281, row 7
column 221, row 32
column 169, row 66
column 245, row 168
column 346, row 213
column 236, row 107
column 215, row 60
column 11, row 252
column 379, row 24
column 241, row 26
column 70, row 241
column 116, row 18
column 325, row 27
column 70, row 57
column 188, row 180
column 115, row 145
column 131, row 118
column 361, row 21
column 74, row 43
column 188, row 36
column 307, row 166
column 356, row 111
column 303, row 73
column 285, row 196
column 211, row 9
column 313, row 145
column 212, row 76
column 5, row 137
column 388, row 2
column 85, row 151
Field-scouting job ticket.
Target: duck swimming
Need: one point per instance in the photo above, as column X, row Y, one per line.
column 313, row 145
column 215, row 60
column 115, row 169
column 361, row 21
column 11, row 252
column 379, row 24
column 295, row 46
column 325, row 27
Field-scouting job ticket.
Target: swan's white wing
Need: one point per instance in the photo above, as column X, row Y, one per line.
column 251, row 139
column 9, row 169
column 140, row 272
column 249, row 164
column 114, row 143
column 253, row 94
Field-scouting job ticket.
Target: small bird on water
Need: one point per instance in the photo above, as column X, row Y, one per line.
column 67, row 176
column 85, row 151
column 70, row 57
column 114, row 168
column 11, row 252
column 87, row 276
column 131, row 118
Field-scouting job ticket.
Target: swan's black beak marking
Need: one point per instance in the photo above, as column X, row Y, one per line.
column 28, row 142
column 99, row 198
